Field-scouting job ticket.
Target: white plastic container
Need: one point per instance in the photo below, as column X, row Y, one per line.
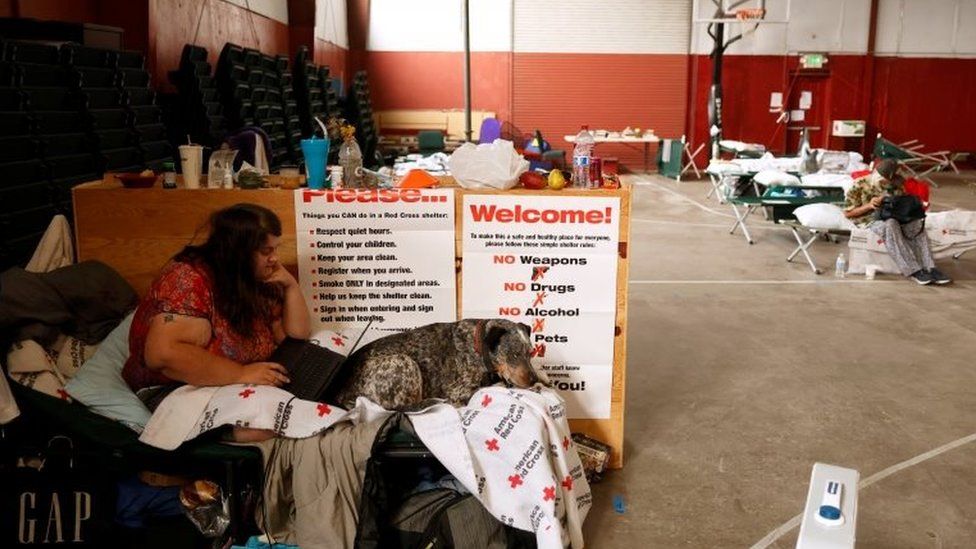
column 830, row 515
column 582, row 154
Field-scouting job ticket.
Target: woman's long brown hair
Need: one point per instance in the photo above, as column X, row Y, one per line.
column 236, row 234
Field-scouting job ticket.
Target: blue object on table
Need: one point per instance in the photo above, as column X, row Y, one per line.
column 316, row 151
column 255, row 543
column 618, row 504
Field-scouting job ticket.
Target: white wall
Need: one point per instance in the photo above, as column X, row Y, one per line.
column 929, row 28
column 591, row 26
column 330, row 22
column 436, row 25
column 831, row 26
column 272, row 9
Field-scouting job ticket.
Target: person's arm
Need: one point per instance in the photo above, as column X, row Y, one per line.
column 295, row 320
column 175, row 346
column 864, row 209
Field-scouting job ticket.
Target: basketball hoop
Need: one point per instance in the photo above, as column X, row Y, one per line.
column 748, row 14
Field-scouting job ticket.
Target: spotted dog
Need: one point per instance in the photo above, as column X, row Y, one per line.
column 447, row 361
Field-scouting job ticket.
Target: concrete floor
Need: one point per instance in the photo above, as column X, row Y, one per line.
column 744, row 370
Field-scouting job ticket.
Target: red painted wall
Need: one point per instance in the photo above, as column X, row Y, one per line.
column 932, row 100
column 75, row 11
column 557, row 93
column 336, row 57
column 435, row 80
column 172, row 24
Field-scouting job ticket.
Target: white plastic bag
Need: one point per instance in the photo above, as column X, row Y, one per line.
column 494, row 165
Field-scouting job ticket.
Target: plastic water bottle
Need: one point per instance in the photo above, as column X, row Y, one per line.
column 582, row 153
column 840, row 268
column 351, row 160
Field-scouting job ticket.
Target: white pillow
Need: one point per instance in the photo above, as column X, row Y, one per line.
column 775, row 177
column 823, row 216
column 99, row 384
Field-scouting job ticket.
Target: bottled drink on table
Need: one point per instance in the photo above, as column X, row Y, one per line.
column 582, row 153
column 351, row 161
column 840, row 268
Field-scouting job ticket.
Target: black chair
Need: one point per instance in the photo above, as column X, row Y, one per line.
column 148, row 114
column 103, row 98
column 156, row 151
column 52, row 76
column 30, row 52
column 52, row 99
column 23, row 172
column 109, row 119
column 9, row 74
column 134, row 78
column 12, row 99
column 115, row 139
column 85, row 56
column 139, row 96
column 94, row 77
column 16, row 123
column 66, row 144
column 24, row 197
column 126, row 159
column 151, row 132
column 17, row 148
column 131, row 59
column 76, row 165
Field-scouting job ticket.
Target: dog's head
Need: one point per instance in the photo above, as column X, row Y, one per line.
column 508, row 347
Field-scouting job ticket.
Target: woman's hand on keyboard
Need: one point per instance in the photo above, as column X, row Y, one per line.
column 264, row 373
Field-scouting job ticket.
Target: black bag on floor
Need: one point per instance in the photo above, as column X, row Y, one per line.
column 56, row 498
column 441, row 518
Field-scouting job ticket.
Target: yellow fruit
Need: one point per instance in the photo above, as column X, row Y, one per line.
column 556, row 180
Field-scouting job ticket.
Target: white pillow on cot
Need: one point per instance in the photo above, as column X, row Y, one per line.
column 823, row 216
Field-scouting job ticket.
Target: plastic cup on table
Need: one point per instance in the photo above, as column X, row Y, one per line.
column 316, row 151
column 191, row 162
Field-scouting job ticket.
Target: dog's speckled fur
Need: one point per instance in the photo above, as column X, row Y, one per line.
column 443, row 361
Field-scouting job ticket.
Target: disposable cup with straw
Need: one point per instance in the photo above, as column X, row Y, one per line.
column 191, row 162
column 316, row 152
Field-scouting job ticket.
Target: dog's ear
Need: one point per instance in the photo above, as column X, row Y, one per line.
column 494, row 330
column 526, row 330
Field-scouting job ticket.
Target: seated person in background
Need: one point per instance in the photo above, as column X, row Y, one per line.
column 907, row 244
column 217, row 310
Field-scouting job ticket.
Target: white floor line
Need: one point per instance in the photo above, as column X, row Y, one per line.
column 716, row 225
column 825, row 280
column 789, row 525
column 686, row 199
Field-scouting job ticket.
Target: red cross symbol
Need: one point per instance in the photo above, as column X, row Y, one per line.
column 538, row 351
column 539, row 273
column 315, row 297
column 485, row 401
column 567, row 482
column 515, row 481
column 538, row 325
column 338, row 341
column 565, row 443
column 63, row 394
column 492, row 444
column 246, row 393
column 538, row 299
column 548, row 493
column 324, row 409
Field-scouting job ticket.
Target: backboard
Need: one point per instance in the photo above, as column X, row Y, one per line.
column 741, row 11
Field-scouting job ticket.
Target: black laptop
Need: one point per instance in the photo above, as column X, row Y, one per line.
column 313, row 369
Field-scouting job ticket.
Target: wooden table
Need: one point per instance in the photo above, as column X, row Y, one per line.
column 646, row 140
column 136, row 231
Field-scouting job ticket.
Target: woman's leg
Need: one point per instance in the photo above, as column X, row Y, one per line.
column 897, row 245
column 919, row 241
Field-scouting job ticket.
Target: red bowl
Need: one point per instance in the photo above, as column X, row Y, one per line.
column 135, row 180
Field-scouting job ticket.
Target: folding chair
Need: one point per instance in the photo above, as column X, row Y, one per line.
column 910, row 154
column 691, row 164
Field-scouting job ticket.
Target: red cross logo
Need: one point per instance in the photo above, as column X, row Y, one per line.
column 315, row 297
column 323, row 409
column 538, row 299
column 538, row 325
column 485, row 401
column 63, row 394
column 515, row 481
column 548, row 493
column 492, row 444
column 539, row 273
column 246, row 393
column 538, row 351
column 567, row 482
column 338, row 341
column 565, row 443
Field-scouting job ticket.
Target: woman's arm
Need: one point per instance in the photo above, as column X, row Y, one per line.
column 864, row 209
column 175, row 346
column 294, row 316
